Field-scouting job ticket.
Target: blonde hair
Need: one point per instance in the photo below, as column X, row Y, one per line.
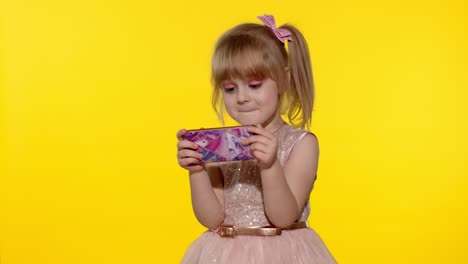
column 252, row 50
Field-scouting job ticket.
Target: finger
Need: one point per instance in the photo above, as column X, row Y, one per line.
column 258, row 155
column 181, row 133
column 187, row 153
column 257, row 139
column 185, row 144
column 260, row 131
column 259, row 147
column 187, row 162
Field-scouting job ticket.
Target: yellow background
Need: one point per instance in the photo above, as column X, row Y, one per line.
column 93, row 92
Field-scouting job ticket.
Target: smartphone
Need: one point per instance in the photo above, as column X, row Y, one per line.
column 221, row 144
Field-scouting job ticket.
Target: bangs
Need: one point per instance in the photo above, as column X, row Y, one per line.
column 240, row 58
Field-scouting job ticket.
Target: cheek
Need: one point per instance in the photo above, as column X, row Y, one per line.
column 228, row 103
column 270, row 99
column 227, row 100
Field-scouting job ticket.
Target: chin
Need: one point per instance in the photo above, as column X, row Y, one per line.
column 249, row 119
column 246, row 121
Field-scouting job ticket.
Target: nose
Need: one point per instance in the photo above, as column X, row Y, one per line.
column 242, row 95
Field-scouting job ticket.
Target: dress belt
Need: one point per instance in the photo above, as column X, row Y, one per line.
column 232, row 231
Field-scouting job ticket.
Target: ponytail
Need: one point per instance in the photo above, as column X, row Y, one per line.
column 300, row 95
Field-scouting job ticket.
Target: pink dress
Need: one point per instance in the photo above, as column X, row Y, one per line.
column 243, row 205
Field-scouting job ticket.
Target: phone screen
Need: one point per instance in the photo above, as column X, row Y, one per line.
column 221, row 144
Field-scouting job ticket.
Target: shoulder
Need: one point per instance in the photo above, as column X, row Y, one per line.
column 293, row 140
column 309, row 138
column 306, row 145
column 305, row 136
column 303, row 159
column 289, row 133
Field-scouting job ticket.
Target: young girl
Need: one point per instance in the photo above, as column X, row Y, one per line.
column 257, row 210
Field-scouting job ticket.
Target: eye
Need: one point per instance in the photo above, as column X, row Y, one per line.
column 255, row 85
column 229, row 89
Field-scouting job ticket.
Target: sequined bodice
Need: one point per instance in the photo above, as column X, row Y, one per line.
column 243, row 201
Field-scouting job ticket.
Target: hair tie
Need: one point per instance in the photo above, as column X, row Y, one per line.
column 281, row 33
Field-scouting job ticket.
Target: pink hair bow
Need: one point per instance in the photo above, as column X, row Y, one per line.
column 281, row 33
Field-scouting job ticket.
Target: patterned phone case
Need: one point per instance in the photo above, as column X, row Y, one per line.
column 221, row 144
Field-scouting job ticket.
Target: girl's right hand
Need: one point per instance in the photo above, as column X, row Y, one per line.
column 187, row 156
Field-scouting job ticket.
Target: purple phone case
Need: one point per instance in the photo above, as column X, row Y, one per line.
column 221, row 144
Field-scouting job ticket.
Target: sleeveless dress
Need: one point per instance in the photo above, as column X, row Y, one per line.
column 243, row 205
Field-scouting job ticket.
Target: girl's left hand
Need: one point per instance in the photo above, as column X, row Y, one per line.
column 263, row 146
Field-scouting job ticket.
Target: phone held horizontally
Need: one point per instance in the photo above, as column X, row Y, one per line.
column 221, row 144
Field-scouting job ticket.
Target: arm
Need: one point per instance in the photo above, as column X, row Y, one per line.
column 206, row 184
column 207, row 196
column 285, row 190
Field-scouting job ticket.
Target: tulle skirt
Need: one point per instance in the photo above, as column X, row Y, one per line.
column 293, row 246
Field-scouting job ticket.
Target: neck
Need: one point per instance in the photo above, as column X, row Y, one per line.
column 274, row 124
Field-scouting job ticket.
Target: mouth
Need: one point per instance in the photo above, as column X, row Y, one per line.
column 245, row 110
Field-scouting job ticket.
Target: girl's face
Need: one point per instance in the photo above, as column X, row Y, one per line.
column 252, row 101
